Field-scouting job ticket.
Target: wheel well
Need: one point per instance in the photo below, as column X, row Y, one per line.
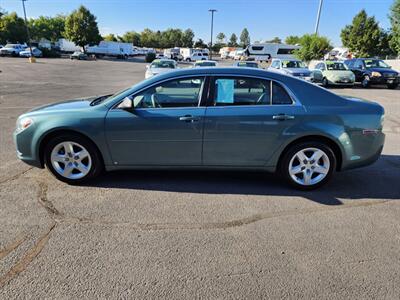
column 317, row 138
column 56, row 133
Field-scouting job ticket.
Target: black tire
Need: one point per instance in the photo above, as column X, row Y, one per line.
column 97, row 165
column 366, row 81
column 325, row 82
column 188, row 59
column 291, row 152
column 392, row 86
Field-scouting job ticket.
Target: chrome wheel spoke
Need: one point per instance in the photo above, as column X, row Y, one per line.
column 67, row 170
column 68, row 147
column 58, row 157
column 317, row 155
column 321, row 169
column 82, row 168
column 296, row 170
column 301, row 156
column 82, row 154
column 307, row 177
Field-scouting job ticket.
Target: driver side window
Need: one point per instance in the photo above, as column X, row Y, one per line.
column 183, row 92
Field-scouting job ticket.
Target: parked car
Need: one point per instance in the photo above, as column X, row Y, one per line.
column 27, row 53
column 370, row 71
column 160, row 55
column 194, row 56
column 248, row 64
column 224, row 54
column 335, row 73
column 205, row 63
column 238, row 54
column 12, row 49
column 296, row 68
column 241, row 119
column 173, row 53
column 160, row 66
column 79, row 55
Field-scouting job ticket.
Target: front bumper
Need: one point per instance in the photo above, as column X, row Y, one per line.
column 25, row 149
column 384, row 80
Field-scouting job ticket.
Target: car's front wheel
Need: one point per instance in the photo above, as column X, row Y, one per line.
column 325, row 82
column 365, row 83
column 392, row 86
column 72, row 159
column 308, row 165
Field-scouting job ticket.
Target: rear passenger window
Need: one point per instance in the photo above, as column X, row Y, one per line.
column 279, row 95
column 241, row 91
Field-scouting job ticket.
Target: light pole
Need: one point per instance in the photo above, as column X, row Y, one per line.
column 27, row 29
column 212, row 27
column 318, row 16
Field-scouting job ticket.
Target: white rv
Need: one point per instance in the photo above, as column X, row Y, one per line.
column 106, row 48
column 67, row 46
column 267, row 51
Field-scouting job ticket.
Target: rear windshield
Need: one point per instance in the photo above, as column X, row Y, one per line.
column 205, row 64
column 293, row 64
column 163, row 64
column 247, row 64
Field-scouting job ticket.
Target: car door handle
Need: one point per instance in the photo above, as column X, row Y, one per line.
column 282, row 117
column 189, row 119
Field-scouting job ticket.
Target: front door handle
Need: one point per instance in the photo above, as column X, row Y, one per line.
column 282, row 117
column 189, row 119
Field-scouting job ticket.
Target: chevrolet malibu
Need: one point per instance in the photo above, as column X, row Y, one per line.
column 206, row 118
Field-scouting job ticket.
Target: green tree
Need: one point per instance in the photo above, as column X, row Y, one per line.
column 110, row 38
column 395, row 22
column 132, row 37
column 12, row 28
column 292, row 40
column 171, row 38
column 363, row 36
column 233, row 41
column 199, row 44
column 221, row 38
column 187, row 38
column 244, row 38
column 46, row 27
column 150, row 38
column 81, row 28
column 313, row 47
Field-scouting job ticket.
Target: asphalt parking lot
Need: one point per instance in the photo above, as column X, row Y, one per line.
column 181, row 235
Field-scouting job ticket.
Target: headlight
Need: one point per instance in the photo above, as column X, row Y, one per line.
column 24, row 123
column 376, row 74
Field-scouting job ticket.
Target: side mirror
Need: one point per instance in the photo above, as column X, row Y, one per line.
column 126, row 104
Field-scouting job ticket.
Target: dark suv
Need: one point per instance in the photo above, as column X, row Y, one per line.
column 370, row 71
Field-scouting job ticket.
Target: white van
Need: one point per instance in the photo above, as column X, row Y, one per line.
column 266, row 51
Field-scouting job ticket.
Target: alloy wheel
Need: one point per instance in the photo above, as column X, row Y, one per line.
column 71, row 160
column 309, row 166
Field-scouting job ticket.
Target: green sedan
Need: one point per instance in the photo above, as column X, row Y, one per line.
column 335, row 73
column 206, row 118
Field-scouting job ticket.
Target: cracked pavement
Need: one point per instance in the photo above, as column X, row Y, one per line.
column 162, row 234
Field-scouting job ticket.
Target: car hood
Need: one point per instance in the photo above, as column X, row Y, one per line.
column 383, row 70
column 66, row 105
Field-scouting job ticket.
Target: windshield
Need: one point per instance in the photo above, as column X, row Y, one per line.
column 166, row 64
column 375, row 63
column 336, row 66
column 293, row 64
column 10, row 46
column 205, row 64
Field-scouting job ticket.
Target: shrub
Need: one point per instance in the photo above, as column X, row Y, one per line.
column 50, row 53
column 150, row 57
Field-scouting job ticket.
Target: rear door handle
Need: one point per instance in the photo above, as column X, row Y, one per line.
column 189, row 119
column 282, row 117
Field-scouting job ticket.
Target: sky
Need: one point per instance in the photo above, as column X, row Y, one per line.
column 264, row 19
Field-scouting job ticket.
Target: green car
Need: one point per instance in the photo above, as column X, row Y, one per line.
column 335, row 73
column 206, row 118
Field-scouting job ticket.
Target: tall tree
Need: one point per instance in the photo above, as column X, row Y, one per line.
column 81, row 28
column 132, row 37
column 292, row 40
column 187, row 38
column 244, row 38
column 50, row 28
column 233, row 41
column 363, row 36
column 12, row 28
column 110, row 38
column 313, row 47
column 221, row 37
column 395, row 22
column 200, row 44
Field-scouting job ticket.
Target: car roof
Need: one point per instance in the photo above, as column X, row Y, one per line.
column 162, row 59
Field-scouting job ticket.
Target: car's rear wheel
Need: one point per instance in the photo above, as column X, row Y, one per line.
column 188, row 59
column 392, row 86
column 308, row 165
column 72, row 158
column 325, row 82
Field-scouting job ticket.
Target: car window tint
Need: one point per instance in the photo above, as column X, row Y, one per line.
column 279, row 95
column 175, row 93
column 241, row 91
